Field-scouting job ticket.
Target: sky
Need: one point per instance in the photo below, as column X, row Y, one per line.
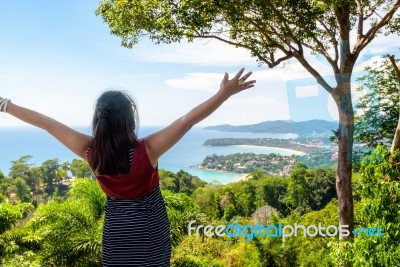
column 57, row 57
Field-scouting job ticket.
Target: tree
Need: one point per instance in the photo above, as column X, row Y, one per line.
column 310, row 189
column 22, row 190
column 60, row 233
column 20, row 168
column 380, row 205
column 396, row 138
column 207, row 199
column 181, row 210
column 10, row 214
column 49, row 170
column 180, row 182
column 273, row 31
column 80, row 169
column 377, row 110
column 299, row 190
column 273, row 191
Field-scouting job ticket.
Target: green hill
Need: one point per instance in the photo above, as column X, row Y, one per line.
column 281, row 127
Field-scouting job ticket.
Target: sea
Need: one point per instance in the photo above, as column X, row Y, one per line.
column 16, row 142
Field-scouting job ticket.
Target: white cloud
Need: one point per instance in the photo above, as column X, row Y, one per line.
column 203, row 81
column 249, row 108
column 382, row 45
column 360, row 66
column 199, row 52
column 199, row 81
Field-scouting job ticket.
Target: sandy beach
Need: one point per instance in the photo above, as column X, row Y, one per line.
column 242, row 177
column 289, row 151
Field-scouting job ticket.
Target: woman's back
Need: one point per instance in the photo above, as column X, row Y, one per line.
column 140, row 180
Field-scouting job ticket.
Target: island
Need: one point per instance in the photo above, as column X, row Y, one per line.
column 319, row 153
column 300, row 144
column 273, row 164
column 313, row 138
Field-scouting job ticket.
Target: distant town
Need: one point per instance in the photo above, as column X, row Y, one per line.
column 314, row 138
column 320, row 153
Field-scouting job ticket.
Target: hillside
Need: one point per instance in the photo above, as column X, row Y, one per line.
column 301, row 128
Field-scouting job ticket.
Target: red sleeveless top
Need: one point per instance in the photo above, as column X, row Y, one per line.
column 141, row 179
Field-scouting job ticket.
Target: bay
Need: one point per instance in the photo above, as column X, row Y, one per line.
column 188, row 152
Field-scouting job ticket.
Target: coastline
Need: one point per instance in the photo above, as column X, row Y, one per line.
column 211, row 175
column 296, row 152
column 242, row 177
column 239, row 176
column 20, row 141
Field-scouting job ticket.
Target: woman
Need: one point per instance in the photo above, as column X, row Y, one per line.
column 136, row 226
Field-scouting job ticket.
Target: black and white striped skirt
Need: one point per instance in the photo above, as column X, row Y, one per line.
column 136, row 232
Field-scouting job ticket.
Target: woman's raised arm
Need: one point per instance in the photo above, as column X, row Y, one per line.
column 73, row 140
column 159, row 142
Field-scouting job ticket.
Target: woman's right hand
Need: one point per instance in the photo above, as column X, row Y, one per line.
column 236, row 84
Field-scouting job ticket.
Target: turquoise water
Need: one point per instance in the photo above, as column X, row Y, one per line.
column 188, row 152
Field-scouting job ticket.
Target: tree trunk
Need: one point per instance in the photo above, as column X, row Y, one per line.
column 396, row 138
column 342, row 97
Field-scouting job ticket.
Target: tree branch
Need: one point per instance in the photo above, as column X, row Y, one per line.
column 395, row 67
column 332, row 34
column 288, row 53
column 360, row 25
column 373, row 10
column 323, row 52
column 313, row 72
column 271, row 63
column 370, row 35
column 396, row 138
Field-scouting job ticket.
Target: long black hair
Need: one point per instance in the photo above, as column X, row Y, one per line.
column 114, row 129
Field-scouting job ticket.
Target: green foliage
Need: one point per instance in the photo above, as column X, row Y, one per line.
column 317, row 159
column 71, row 235
column 207, row 199
column 170, row 21
column 304, row 190
column 310, row 189
column 248, row 162
column 380, row 208
column 20, row 168
column 80, row 169
column 89, row 192
column 10, row 214
column 378, row 108
column 299, row 250
column 245, row 198
column 181, row 210
column 272, row 191
column 28, row 183
column 60, row 233
column 196, row 251
column 26, row 259
column 22, row 189
column 68, row 232
column 49, row 170
column 180, row 182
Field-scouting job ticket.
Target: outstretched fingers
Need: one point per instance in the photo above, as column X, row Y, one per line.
column 247, row 75
column 237, row 76
column 248, row 84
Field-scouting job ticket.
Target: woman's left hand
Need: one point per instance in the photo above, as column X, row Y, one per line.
column 236, row 84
